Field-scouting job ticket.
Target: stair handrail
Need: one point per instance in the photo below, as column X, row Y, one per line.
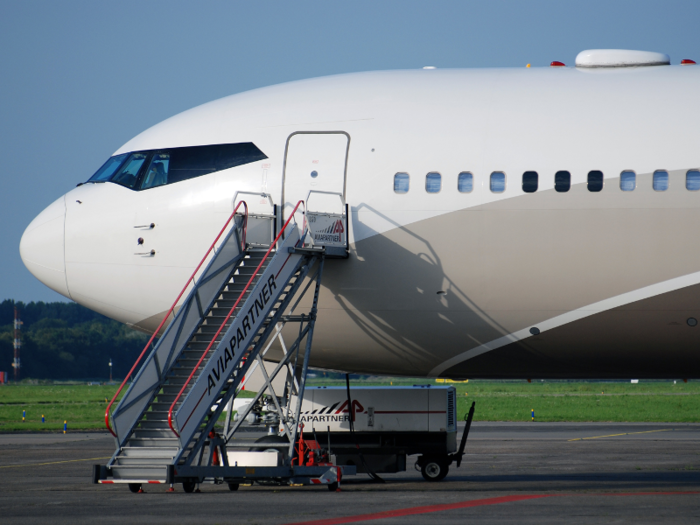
column 191, row 279
column 233, row 308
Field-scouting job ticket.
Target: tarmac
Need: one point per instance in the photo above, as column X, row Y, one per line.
column 512, row 473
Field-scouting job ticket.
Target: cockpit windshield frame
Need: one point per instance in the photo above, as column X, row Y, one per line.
column 142, row 170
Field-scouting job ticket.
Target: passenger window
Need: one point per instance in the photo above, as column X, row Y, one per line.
column 692, row 180
column 660, row 180
column 401, row 183
column 595, row 180
column 465, row 182
column 129, row 172
column 530, row 181
column 628, row 180
column 562, row 181
column 498, row 182
column 433, row 182
column 157, row 173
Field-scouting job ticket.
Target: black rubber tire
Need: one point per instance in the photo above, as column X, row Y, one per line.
column 134, row 487
column 434, row 469
column 281, row 441
column 189, row 486
column 233, row 487
column 333, row 486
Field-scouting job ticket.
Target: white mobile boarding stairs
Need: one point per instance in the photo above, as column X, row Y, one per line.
column 164, row 423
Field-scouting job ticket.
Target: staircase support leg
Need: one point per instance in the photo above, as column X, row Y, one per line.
column 307, row 353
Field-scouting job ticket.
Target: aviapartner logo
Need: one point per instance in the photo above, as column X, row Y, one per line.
column 331, row 413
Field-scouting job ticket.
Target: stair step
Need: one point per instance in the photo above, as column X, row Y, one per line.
column 219, row 317
column 234, row 292
column 214, row 327
column 154, row 424
column 169, row 392
column 138, row 461
column 219, row 313
column 216, row 319
column 155, row 415
column 195, row 353
column 156, row 473
column 197, row 347
column 163, row 404
column 191, row 353
column 178, row 375
column 178, row 380
column 172, row 389
column 199, row 338
column 149, row 452
column 153, row 442
column 147, row 433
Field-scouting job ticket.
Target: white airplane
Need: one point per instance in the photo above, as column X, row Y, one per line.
column 509, row 223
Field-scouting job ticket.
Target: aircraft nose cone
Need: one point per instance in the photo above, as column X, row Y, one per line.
column 42, row 247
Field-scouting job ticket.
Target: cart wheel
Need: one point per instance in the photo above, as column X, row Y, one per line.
column 189, row 486
column 434, row 469
column 333, row 486
column 233, row 486
column 134, row 487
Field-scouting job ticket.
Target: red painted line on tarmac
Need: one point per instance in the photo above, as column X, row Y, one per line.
column 397, row 513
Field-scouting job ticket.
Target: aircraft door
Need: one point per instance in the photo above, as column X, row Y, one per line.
column 315, row 161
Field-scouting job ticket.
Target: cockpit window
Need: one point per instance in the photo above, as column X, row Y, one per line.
column 148, row 169
column 128, row 174
column 157, row 172
column 108, row 168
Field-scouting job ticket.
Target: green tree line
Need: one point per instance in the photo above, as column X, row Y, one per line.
column 67, row 341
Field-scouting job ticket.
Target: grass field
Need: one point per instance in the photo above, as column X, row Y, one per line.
column 571, row 400
column 83, row 406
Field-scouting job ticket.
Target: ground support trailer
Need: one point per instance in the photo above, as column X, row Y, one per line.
column 390, row 424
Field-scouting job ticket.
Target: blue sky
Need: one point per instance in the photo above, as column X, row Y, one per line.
column 80, row 78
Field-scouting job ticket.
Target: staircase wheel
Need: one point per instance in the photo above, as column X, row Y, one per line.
column 434, row 468
column 233, row 487
column 267, row 443
column 189, row 486
column 134, row 487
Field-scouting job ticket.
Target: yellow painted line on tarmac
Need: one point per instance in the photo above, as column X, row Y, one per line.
column 51, row 463
column 625, row 434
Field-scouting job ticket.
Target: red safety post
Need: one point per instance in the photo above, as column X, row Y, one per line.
column 215, row 454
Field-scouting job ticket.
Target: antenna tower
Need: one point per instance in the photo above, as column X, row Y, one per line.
column 17, row 344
